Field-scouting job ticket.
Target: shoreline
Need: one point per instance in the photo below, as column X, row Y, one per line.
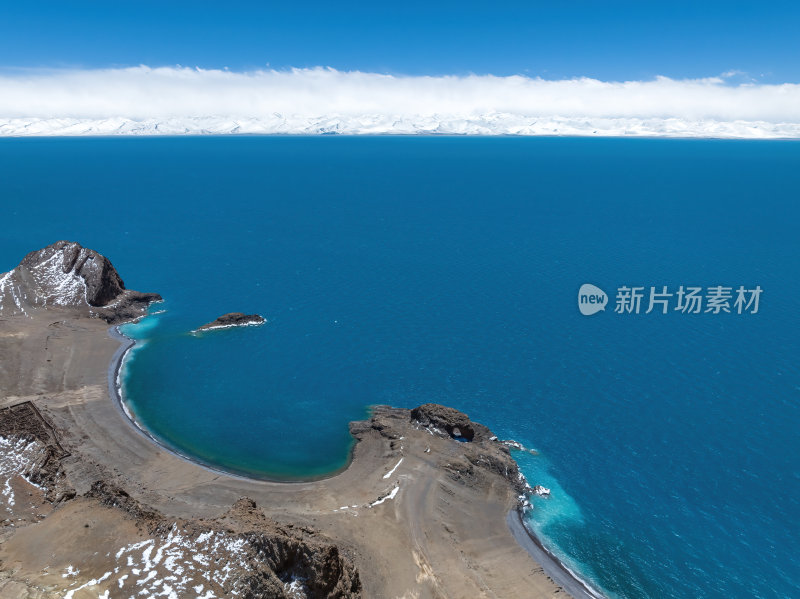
column 115, row 391
column 572, row 584
column 524, row 537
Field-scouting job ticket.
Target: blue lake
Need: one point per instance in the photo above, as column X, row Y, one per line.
column 409, row 270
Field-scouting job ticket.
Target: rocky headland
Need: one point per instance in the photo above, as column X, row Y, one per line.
column 68, row 275
column 93, row 508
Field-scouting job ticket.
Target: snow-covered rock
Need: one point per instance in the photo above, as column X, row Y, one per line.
column 68, row 275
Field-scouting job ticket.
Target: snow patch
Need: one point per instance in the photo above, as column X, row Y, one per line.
column 391, row 495
column 18, row 458
column 388, row 474
column 295, row 588
column 175, row 566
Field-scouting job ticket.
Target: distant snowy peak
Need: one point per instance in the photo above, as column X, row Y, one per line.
column 68, row 275
column 382, row 124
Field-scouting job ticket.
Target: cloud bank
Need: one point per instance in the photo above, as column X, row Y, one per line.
column 176, row 100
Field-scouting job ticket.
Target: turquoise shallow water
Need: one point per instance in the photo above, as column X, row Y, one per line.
column 406, row 270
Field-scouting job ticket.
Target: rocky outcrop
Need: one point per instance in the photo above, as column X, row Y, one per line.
column 295, row 555
column 253, row 556
column 541, row 491
column 69, row 276
column 23, row 426
column 233, row 319
column 113, row 496
column 456, row 424
column 101, row 282
column 475, row 452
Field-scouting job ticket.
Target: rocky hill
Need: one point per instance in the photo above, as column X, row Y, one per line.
column 69, row 276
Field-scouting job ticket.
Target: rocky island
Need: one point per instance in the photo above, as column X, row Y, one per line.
column 91, row 507
column 233, row 319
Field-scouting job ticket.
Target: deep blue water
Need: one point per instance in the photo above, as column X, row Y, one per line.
column 407, row 270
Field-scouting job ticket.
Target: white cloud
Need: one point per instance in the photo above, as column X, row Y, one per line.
column 184, row 100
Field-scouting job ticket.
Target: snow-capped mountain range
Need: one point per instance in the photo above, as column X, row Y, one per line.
column 486, row 124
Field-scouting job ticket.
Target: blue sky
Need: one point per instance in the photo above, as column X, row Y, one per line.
column 554, row 40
